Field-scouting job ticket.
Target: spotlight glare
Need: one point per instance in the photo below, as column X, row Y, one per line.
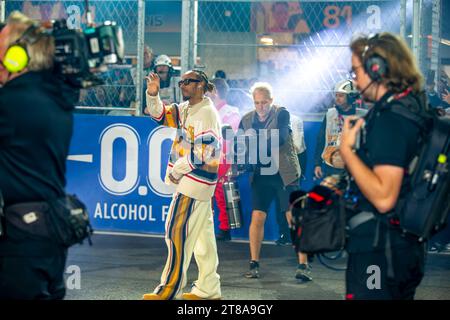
column 267, row 41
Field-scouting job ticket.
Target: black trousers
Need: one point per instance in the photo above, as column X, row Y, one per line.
column 33, row 277
column 363, row 268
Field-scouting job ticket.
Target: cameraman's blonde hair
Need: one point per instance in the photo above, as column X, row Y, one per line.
column 41, row 53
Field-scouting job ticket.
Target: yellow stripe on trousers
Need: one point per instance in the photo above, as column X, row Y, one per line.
column 171, row 117
column 183, row 207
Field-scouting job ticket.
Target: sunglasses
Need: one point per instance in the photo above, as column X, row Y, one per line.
column 186, row 82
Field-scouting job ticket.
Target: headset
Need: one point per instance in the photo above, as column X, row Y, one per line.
column 16, row 57
column 353, row 95
column 374, row 65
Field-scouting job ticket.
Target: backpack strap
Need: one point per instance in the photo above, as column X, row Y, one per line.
column 359, row 219
column 409, row 108
column 403, row 110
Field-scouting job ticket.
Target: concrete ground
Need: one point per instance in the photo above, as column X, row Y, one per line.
column 122, row 267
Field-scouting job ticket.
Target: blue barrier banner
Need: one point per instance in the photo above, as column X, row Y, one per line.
column 116, row 165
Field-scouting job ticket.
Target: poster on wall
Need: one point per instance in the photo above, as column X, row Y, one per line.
column 305, row 18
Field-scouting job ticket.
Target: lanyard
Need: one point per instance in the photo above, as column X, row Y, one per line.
column 399, row 95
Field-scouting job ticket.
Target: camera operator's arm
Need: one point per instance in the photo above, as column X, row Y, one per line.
column 239, row 132
column 283, row 121
column 163, row 115
column 283, row 126
column 381, row 186
column 236, row 158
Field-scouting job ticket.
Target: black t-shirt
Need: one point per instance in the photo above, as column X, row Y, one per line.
column 389, row 139
column 36, row 126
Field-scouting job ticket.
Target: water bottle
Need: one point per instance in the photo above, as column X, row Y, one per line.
column 233, row 201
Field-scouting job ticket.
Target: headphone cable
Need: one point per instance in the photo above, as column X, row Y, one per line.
column 367, row 87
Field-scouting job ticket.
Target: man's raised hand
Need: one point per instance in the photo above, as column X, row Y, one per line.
column 153, row 83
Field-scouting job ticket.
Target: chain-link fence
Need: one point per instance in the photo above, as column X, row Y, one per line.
column 119, row 90
column 300, row 47
column 434, row 47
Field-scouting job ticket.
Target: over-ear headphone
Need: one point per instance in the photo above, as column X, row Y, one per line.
column 16, row 56
column 374, row 65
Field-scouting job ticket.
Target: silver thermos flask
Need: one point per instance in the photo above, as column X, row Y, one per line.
column 233, row 201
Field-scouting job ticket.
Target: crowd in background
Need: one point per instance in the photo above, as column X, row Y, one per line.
column 119, row 91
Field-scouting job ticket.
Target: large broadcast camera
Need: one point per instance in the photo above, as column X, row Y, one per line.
column 79, row 54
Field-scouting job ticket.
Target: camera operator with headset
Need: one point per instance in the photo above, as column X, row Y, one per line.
column 386, row 73
column 36, row 125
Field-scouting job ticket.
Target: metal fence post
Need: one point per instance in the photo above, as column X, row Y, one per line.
column 189, row 35
column 403, row 19
column 416, row 30
column 140, row 57
column 2, row 11
column 435, row 39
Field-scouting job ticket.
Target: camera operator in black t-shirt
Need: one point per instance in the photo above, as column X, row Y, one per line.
column 383, row 264
column 36, row 124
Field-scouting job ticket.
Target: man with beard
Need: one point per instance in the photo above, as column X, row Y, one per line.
column 192, row 168
column 327, row 160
